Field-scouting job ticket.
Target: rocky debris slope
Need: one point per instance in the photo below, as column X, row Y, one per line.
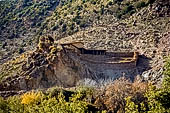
column 47, row 66
column 146, row 32
column 22, row 21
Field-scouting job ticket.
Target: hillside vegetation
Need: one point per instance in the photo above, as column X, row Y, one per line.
column 66, row 16
column 23, row 15
column 23, row 21
column 19, row 23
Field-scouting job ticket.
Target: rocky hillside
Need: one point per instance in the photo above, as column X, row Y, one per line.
column 119, row 25
column 146, row 31
column 23, row 21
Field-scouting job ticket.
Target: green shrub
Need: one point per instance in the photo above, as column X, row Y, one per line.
column 130, row 107
column 119, row 15
column 55, row 27
column 71, row 26
column 83, row 24
column 61, row 22
column 3, row 106
column 140, row 4
column 110, row 3
column 127, row 9
column 167, row 67
column 102, row 10
column 64, row 27
column 158, row 98
column 150, row 1
column 20, row 50
column 14, row 105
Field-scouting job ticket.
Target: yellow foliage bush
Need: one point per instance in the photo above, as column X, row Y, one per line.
column 30, row 97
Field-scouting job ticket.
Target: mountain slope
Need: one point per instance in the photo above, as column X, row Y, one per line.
column 23, row 21
column 142, row 31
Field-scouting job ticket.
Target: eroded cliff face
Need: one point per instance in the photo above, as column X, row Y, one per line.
column 47, row 66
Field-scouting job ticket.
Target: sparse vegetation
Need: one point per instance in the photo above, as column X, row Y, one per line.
column 31, row 14
column 23, row 14
column 61, row 18
column 83, row 13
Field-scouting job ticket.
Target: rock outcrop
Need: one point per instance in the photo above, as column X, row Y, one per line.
column 48, row 66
